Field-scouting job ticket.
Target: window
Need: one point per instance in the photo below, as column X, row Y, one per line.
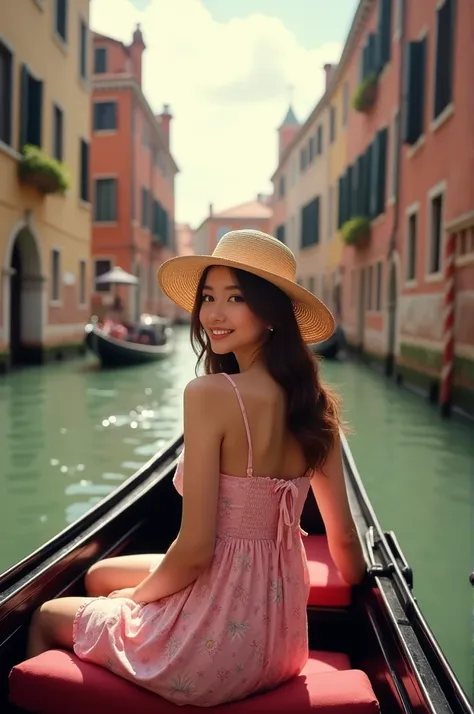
column 443, row 89
column 412, row 246
column 398, row 19
column 100, row 60
column 84, row 169
column 6, row 88
column 394, row 155
column 378, row 287
column 310, row 220
column 221, row 231
column 82, row 282
column 320, row 140
column 60, row 19
column 83, row 49
column 384, row 33
column 414, row 91
column 146, row 207
column 332, row 124
column 436, row 233
column 105, row 116
column 281, row 187
column 105, row 200
column 280, row 232
column 31, row 112
column 101, row 267
column 55, row 275
column 58, row 129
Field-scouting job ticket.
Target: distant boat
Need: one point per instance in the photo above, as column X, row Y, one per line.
column 149, row 341
column 332, row 347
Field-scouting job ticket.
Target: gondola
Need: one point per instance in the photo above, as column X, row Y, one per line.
column 332, row 347
column 371, row 648
column 113, row 352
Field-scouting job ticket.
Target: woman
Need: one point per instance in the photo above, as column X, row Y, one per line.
column 223, row 614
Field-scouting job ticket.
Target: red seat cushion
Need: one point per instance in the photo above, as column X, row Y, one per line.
column 57, row 681
column 327, row 588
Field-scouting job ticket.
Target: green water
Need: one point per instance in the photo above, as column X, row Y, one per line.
column 70, row 433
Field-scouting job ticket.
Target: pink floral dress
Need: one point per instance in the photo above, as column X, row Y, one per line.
column 241, row 627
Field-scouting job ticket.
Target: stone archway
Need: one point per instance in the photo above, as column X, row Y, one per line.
column 392, row 316
column 23, row 297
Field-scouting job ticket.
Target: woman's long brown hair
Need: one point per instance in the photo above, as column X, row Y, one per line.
column 312, row 409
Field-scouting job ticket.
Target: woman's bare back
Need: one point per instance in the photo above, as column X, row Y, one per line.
column 276, row 453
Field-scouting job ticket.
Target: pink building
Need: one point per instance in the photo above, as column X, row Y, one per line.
column 253, row 214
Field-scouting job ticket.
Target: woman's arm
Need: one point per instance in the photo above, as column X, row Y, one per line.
column 193, row 550
column 329, row 490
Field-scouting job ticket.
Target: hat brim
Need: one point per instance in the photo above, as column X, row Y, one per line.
column 179, row 279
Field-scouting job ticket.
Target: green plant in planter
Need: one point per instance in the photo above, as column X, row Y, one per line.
column 42, row 171
column 366, row 93
column 356, row 231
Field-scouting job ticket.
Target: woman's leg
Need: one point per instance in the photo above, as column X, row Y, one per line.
column 124, row 571
column 51, row 625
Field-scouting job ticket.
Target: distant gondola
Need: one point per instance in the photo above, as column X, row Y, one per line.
column 332, row 347
column 370, row 648
column 114, row 352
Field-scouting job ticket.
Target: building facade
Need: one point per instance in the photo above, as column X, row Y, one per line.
column 132, row 180
column 367, row 200
column 435, row 237
column 45, row 211
column 253, row 214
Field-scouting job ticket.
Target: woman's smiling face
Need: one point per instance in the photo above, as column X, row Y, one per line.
column 225, row 316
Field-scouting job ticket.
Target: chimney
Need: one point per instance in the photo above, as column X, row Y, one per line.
column 329, row 70
column 211, row 210
column 136, row 51
column 165, row 120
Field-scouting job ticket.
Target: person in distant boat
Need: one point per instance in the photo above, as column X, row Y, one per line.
column 222, row 614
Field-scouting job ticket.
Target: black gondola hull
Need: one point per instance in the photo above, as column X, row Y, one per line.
column 383, row 630
column 120, row 353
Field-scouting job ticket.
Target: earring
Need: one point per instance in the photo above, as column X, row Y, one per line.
column 271, row 329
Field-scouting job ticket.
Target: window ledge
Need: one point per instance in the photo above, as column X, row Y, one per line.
column 9, row 151
column 412, row 283
column 104, row 132
column 415, row 148
column 62, row 45
column 55, row 303
column 434, row 277
column 39, row 4
column 442, row 118
column 87, row 205
column 105, row 224
column 464, row 260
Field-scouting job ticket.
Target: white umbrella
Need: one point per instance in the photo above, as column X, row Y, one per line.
column 118, row 276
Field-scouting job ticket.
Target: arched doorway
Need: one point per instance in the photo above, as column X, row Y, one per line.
column 23, row 299
column 392, row 305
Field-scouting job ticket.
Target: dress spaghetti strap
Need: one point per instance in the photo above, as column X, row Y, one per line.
column 246, row 424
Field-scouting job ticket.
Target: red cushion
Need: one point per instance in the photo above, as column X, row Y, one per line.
column 57, row 680
column 328, row 589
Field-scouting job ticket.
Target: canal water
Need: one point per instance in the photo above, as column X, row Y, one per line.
column 70, row 433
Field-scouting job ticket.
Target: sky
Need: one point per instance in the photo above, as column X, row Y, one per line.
column 228, row 69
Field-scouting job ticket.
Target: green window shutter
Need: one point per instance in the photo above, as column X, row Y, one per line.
column 414, row 91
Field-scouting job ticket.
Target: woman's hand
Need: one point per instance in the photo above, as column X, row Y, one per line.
column 124, row 592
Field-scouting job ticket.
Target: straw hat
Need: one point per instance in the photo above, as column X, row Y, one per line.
column 257, row 253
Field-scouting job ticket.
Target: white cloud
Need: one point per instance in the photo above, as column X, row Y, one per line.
column 227, row 84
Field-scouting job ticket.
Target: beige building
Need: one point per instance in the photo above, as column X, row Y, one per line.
column 301, row 202
column 45, row 213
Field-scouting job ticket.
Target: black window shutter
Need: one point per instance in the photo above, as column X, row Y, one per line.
column 382, row 139
column 414, row 91
column 339, row 202
column 444, row 57
column 24, row 105
column 317, row 219
column 360, row 185
column 374, row 178
column 354, row 186
column 367, row 179
column 372, row 59
column 84, row 183
column 6, row 89
column 384, row 38
column 35, row 113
